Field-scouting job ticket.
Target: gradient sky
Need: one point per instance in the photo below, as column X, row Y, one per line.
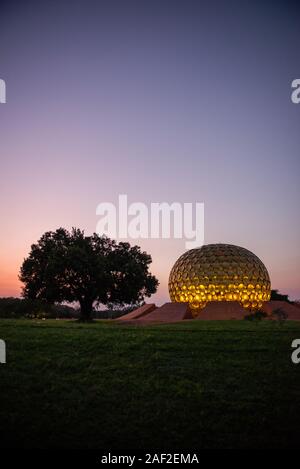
column 163, row 101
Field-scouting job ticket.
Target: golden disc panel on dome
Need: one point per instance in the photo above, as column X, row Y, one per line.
column 219, row 272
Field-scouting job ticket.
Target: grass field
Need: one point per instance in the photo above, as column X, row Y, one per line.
column 194, row 384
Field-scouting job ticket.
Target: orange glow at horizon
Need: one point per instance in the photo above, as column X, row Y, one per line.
column 164, row 253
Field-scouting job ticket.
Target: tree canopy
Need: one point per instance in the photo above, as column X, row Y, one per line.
column 69, row 266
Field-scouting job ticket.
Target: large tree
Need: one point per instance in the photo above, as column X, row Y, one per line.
column 69, row 266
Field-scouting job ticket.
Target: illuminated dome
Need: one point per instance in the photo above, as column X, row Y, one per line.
column 219, row 272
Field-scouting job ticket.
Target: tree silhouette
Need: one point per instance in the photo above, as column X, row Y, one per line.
column 69, row 266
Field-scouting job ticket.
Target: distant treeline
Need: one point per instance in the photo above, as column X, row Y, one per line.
column 276, row 296
column 15, row 308
column 24, row 308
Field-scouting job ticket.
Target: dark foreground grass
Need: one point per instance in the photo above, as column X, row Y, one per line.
column 222, row 384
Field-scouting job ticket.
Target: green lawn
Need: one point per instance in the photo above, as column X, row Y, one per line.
column 218, row 384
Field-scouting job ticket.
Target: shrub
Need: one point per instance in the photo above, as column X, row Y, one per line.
column 256, row 315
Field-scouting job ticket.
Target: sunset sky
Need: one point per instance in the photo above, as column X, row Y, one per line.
column 163, row 101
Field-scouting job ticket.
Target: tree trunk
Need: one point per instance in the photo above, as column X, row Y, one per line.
column 86, row 307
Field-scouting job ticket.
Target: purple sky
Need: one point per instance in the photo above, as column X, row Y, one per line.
column 163, row 101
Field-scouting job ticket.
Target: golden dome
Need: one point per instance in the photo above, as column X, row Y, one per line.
column 219, row 272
